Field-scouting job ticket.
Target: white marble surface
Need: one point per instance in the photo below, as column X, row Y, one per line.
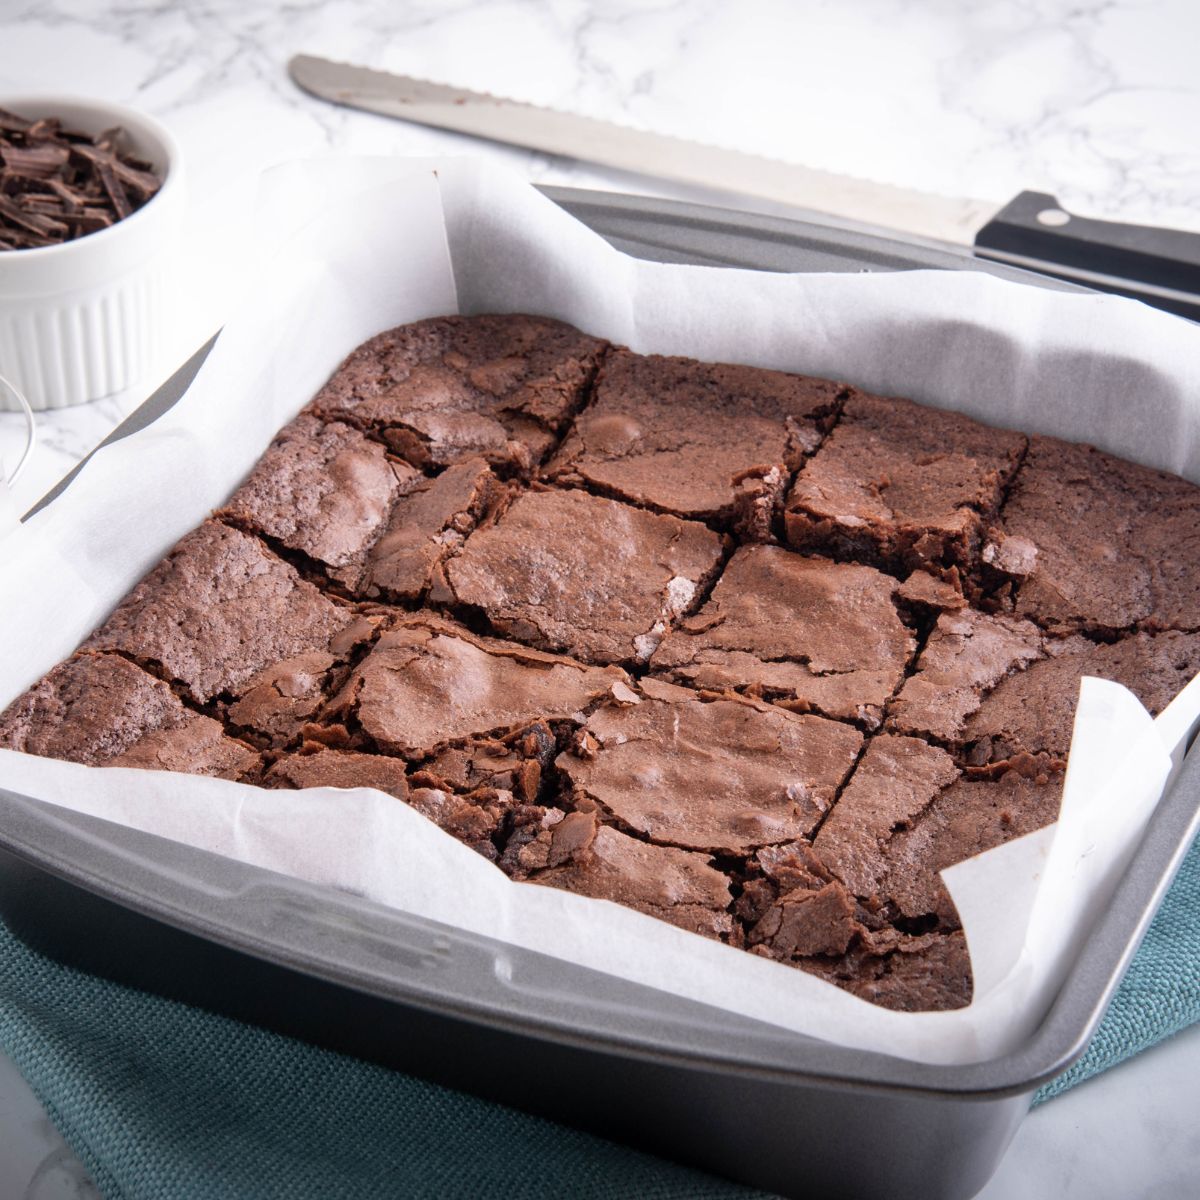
column 1097, row 101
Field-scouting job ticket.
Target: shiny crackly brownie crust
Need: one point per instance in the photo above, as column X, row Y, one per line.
column 755, row 654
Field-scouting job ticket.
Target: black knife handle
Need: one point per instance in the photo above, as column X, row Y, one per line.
column 1158, row 266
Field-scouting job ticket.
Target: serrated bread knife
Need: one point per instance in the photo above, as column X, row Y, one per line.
column 1158, row 266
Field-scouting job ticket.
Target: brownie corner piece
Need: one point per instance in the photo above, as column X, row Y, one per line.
column 900, row 485
column 704, row 441
column 102, row 710
column 501, row 386
column 583, row 575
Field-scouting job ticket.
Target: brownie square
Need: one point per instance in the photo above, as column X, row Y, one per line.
column 715, row 775
column 899, row 485
column 966, row 655
column 807, row 632
column 427, row 683
column 909, row 812
column 1033, row 711
column 500, row 387
column 426, row 525
column 579, row 855
column 588, row 576
column 275, row 705
column 103, row 711
column 704, row 441
column 218, row 610
column 322, row 489
column 1100, row 544
column 376, row 526
column 473, row 824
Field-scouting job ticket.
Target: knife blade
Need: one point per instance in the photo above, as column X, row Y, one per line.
column 1158, row 266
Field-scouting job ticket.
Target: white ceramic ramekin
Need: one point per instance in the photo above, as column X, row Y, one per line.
column 87, row 318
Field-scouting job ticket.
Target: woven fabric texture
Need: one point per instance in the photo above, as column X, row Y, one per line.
column 166, row 1102
column 1160, row 994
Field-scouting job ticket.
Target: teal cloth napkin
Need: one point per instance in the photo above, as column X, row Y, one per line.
column 164, row 1102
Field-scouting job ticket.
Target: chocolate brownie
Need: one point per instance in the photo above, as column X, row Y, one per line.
column 814, row 634
column 701, row 440
column 426, row 525
column 576, row 853
column 218, row 610
column 1099, row 544
column 716, row 775
column 795, row 910
column 103, row 711
column 910, row 973
column 497, row 386
column 596, row 675
column 427, row 683
column 909, row 812
column 967, row 654
column 474, row 824
column 1033, row 711
column 375, row 525
column 899, row 485
column 584, row 575
column 322, row 489
column 278, row 702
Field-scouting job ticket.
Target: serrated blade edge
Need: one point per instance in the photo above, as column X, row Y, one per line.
column 514, row 122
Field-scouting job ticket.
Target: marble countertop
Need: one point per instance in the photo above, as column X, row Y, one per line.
column 1096, row 101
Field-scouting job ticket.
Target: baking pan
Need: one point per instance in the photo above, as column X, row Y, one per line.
column 741, row 1098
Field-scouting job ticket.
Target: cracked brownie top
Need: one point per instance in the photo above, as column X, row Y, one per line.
column 501, row 387
column 606, row 674
column 701, row 440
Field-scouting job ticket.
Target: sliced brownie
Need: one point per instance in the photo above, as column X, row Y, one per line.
column 218, row 610
column 588, row 576
column 701, row 440
column 428, row 683
column 1100, row 544
column 811, row 633
column 426, row 525
column 1034, row 710
column 573, row 852
column 322, row 489
column 899, row 485
column 718, row 775
column 501, row 387
column 966, row 655
column 103, row 711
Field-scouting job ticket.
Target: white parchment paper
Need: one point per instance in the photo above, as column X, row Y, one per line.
column 356, row 246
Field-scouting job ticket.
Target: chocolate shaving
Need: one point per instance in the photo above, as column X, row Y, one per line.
column 58, row 184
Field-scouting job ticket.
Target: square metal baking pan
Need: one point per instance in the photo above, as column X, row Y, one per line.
column 741, row 1098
